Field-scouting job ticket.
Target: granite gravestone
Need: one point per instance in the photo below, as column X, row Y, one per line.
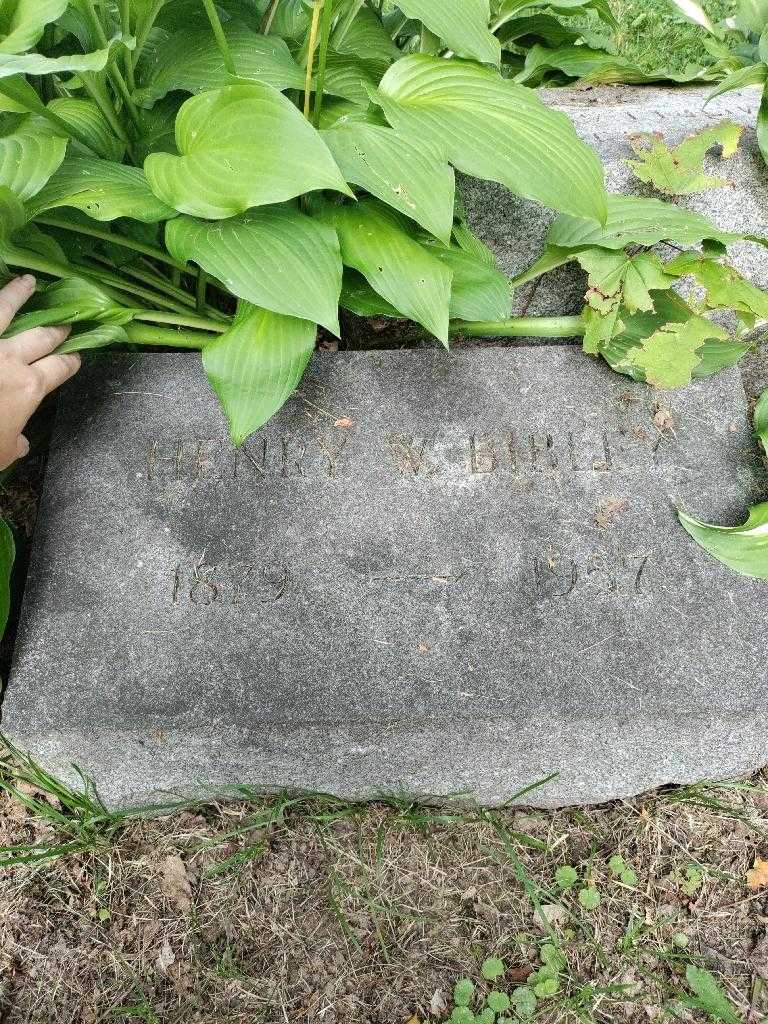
column 444, row 574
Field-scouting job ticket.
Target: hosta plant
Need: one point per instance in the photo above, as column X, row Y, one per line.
column 224, row 176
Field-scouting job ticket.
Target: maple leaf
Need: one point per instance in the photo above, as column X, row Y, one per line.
column 669, row 356
column 615, row 276
column 680, row 171
column 757, row 878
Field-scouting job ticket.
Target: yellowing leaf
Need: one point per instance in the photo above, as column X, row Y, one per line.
column 669, row 356
column 726, row 288
column 680, row 171
column 618, row 277
column 757, row 878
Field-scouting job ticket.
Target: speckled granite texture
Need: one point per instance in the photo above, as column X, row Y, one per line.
column 444, row 574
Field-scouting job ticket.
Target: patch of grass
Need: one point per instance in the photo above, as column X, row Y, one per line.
column 653, row 35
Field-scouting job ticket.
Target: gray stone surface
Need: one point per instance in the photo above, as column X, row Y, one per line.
column 450, row 574
column 605, row 117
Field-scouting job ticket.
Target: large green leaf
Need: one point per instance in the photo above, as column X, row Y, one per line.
column 30, row 152
column 242, row 146
column 256, row 366
column 375, row 242
column 367, row 39
column 22, row 22
column 37, row 64
column 102, row 189
column 633, row 220
column 88, row 120
column 597, row 67
column 669, row 356
column 274, row 257
column 350, row 78
column 752, row 74
column 7, row 555
column 479, row 290
column 492, row 128
column 742, row 548
column 463, row 26
column 190, row 61
column 407, row 174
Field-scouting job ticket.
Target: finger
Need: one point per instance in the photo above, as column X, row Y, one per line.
column 40, row 341
column 56, row 369
column 13, row 297
column 22, row 447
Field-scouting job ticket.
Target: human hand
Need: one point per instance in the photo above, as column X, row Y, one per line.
column 28, row 369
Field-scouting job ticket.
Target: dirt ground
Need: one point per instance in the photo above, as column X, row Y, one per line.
column 307, row 909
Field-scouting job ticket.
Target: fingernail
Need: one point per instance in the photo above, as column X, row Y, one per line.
column 22, row 447
column 28, row 281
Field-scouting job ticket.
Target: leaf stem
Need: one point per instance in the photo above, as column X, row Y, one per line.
column 143, row 334
column 221, row 39
column 316, row 9
column 269, row 17
column 325, row 35
column 182, row 320
column 522, row 327
column 201, row 291
column 121, row 240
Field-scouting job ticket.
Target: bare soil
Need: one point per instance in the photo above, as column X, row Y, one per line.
column 279, row 911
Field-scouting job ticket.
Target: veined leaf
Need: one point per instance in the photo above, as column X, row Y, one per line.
column 22, row 22
column 669, row 356
column 242, row 146
column 479, row 291
column 256, row 366
column 7, row 556
column 463, row 26
column 513, row 8
column 86, row 117
column 598, row 67
column 274, row 257
column 29, row 154
column 376, row 243
column 752, row 74
column 714, row 355
column 358, row 297
column 12, row 213
column 37, row 64
column 350, row 78
column 190, row 61
column 367, row 39
column 725, row 286
column 633, row 220
column 102, row 189
column 407, row 174
column 618, row 277
column 680, row 170
column 494, row 129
